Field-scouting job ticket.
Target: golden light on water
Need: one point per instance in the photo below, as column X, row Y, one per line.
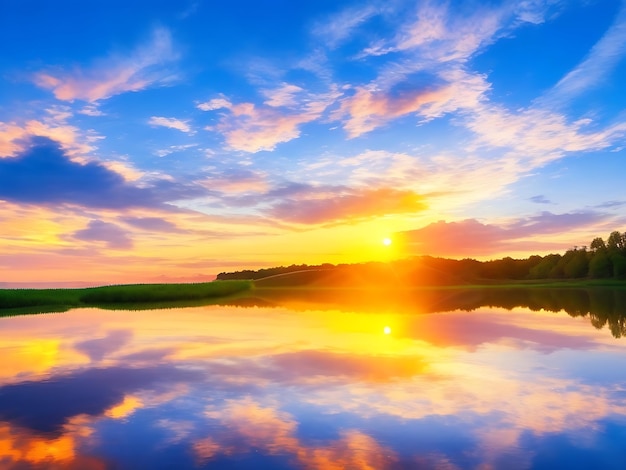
column 387, row 330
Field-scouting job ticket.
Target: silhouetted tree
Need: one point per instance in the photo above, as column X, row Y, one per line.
column 544, row 267
column 597, row 244
column 617, row 242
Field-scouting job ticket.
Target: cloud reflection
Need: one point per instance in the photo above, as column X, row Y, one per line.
column 306, row 387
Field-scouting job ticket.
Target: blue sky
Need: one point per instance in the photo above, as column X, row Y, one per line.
column 174, row 140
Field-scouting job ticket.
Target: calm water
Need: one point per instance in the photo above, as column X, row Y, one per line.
column 318, row 385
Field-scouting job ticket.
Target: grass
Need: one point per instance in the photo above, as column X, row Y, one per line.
column 122, row 294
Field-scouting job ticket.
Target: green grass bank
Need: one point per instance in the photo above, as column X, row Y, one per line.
column 119, row 294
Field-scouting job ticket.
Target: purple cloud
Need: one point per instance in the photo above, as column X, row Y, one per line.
column 154, row 224
column 43, row 174
column 470, row 237
column 540, row 199
column 99, row 231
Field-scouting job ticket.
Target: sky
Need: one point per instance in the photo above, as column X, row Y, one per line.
column 145, row 141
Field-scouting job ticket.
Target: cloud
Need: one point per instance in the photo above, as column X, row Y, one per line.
column 470, row 237
column 540, row 199
column 43, row 174
column 146, row 66
column 611, row 204
column 251, row 425
column 303, row 365
column 153, row 224
column 601, row 60
column 338, row 28
column 99, row 231
column 284, row 95
column 52, row 124
column 347, row 206
column 174, row 149
column 215, row 103
column 53, row 403
column 539, row 135
column 253, row 128
column 91, row 110
column 171, row 123
column 547, row 222
column 470, row 332
column 99, row 348
column 438, row 34
column 366, row 110
column 238, row 182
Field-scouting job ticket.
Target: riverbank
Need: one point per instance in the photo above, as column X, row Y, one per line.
column 120, row 294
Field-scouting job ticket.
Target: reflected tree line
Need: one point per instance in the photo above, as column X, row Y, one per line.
column 604, row 307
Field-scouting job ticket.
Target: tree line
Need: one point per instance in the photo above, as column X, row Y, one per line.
column 602, row 259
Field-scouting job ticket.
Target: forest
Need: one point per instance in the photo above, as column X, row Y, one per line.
column 602, row 259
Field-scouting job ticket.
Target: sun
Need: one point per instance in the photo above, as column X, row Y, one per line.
column 386, row 241
column 387, row 330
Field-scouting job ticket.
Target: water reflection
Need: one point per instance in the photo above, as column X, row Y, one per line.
column 317, row 383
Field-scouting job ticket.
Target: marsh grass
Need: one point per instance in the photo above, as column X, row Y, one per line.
column 46, row 300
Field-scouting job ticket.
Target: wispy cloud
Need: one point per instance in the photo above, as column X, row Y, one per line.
column 171, row 123
column 213, row 104
column 440, row 34
column 253, row 128
column 370, row 108
column 146, row 66
column 540, row 199
column 283, row 95
column 593, row 70
column 91, row 109
column 539, row 135
column 174, row 149
column 339, row 27
column 239, row 182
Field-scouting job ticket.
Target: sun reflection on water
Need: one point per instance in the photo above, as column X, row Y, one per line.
column 307, row 385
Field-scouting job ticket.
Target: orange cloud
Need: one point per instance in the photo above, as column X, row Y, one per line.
column 19, row 447
column 350, row 206
column 125, row 408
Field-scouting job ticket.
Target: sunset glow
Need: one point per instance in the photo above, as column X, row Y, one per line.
column 172, row 141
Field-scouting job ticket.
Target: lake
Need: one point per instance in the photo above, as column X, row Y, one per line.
column 502, row 379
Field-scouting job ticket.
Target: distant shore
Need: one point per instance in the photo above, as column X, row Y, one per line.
column 144, row 296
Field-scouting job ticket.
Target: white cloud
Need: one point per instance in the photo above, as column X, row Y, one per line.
column 339, row 27
column 284, row 95
column 173, row 149
column 91, row 110
column 171, row 123
column 215, row 103
column 603, row 57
